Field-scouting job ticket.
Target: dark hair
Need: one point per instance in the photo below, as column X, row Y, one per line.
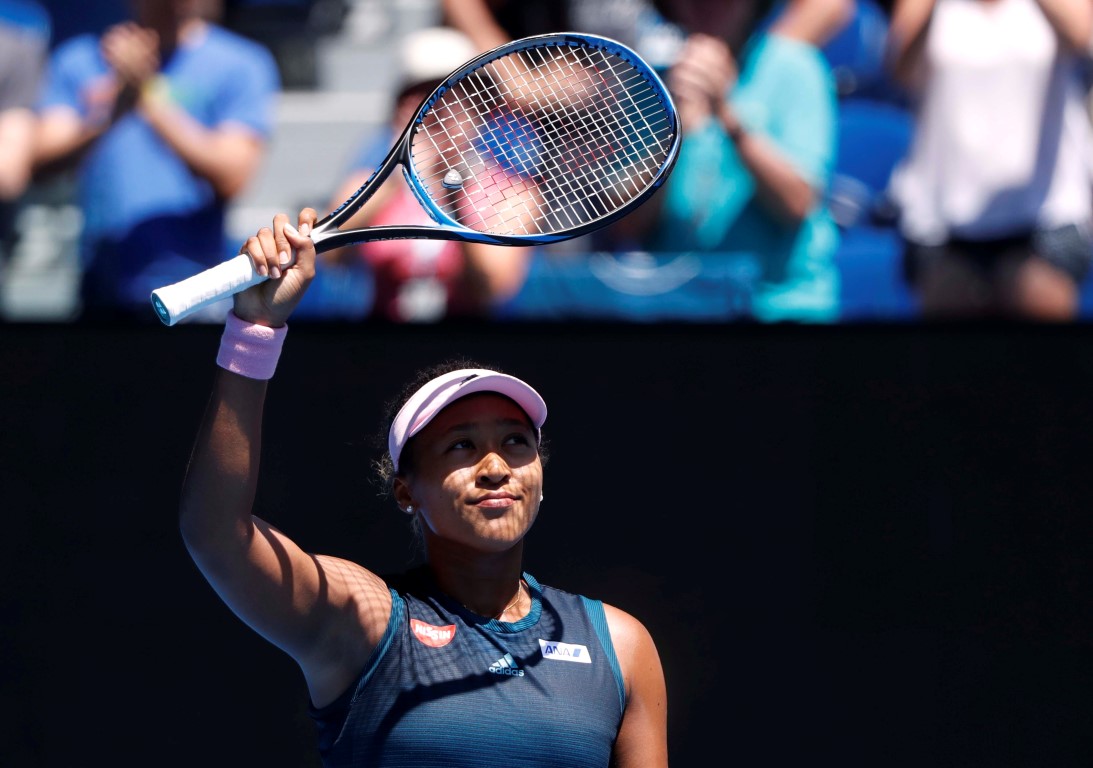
column 689, row 19
column 383, row 466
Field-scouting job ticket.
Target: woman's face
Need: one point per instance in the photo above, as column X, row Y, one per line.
column 476, row 476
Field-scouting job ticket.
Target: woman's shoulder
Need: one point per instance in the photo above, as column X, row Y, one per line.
column 625, row 627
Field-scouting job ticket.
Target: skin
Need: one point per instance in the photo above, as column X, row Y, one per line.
column 476, row 483
column 475, row 19
column 227, row 155
column 16, row 149
column 815, row 21
column 1026, row 287
column 18, row 126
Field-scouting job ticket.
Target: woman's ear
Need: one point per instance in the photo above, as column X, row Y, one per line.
column 403, row 497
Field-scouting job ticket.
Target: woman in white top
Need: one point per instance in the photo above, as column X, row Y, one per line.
column 994, row 195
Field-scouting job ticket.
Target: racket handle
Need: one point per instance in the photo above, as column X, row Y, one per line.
column 180, row 300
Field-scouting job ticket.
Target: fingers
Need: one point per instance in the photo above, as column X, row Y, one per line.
column 262, row 249
column 707, row 54
column 300, row 242
column 283, row 248
column 308, row 217
column 275, row 249
column 132, row 52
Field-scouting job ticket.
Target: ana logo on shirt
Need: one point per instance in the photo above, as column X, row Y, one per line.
column 555, row 650
column 432, row 636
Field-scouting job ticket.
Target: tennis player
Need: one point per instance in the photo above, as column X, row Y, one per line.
column 466, row 660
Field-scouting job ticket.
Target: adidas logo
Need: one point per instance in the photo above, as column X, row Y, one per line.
column 506, row 665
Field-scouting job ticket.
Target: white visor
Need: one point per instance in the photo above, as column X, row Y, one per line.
column 440, row 392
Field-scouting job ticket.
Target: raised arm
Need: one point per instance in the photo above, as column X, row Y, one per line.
column 1073, row 22
column 700, row 81
column 907, row 39
column 814, row 21
column 73, row 124
column 21, row 80
column 226, row 154
column 328, row 614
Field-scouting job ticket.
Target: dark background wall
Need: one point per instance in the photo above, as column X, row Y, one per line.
column 868, row 545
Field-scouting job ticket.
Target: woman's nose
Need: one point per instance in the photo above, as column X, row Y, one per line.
column 493, row 468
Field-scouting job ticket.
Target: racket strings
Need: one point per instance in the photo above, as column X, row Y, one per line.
column 570, row 162
column 554, row 138
column 450, row 151
column 582, row 160
column 584, row 119
column 588, row 163
column 572, row 166
column 547, row 139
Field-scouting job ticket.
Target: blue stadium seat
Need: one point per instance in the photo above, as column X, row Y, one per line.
column 856, row 54
column 32, row 17
column 872, row 287
column 636, row 287
column 70, row 19
column 873, row 138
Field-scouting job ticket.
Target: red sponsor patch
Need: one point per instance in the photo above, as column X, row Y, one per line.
column 435, row 637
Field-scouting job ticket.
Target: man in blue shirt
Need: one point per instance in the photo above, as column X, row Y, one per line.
column 167, row 118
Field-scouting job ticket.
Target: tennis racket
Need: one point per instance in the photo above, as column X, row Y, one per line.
column 539, row 140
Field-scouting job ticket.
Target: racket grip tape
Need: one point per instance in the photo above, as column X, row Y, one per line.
column 179, row 300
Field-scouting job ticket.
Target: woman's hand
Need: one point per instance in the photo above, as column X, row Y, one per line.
column 285, row 254
column 701, row 78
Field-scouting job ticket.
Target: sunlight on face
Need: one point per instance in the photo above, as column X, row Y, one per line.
column 477, row 475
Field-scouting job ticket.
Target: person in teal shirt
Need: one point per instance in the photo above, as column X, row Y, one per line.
column 758, row 150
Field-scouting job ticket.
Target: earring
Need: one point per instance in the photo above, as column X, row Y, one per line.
column 541, row 498
column 409, row 509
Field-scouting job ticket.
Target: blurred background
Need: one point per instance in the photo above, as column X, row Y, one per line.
column 857, row 528
column 717, row 249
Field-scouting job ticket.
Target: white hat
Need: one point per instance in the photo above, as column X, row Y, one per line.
column 433, row 53
column 440, row 392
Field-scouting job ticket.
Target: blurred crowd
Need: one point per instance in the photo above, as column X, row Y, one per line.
column 841, row 159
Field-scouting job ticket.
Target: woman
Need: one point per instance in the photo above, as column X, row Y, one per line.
column 994, row 194
column 467, row 660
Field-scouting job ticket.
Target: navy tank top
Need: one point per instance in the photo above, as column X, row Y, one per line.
column 448, row 687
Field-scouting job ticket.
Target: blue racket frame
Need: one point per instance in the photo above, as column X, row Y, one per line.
column 327, row 235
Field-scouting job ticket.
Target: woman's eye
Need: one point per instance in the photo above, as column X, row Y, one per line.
column 460, row 445
column 517, row 439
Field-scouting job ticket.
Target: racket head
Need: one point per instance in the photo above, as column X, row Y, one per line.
column 542, row 139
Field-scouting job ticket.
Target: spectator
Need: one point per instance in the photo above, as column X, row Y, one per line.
column 166, row 119
column 760, row 142
column 24, row 42
column 994, row 194
column 423, row 280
